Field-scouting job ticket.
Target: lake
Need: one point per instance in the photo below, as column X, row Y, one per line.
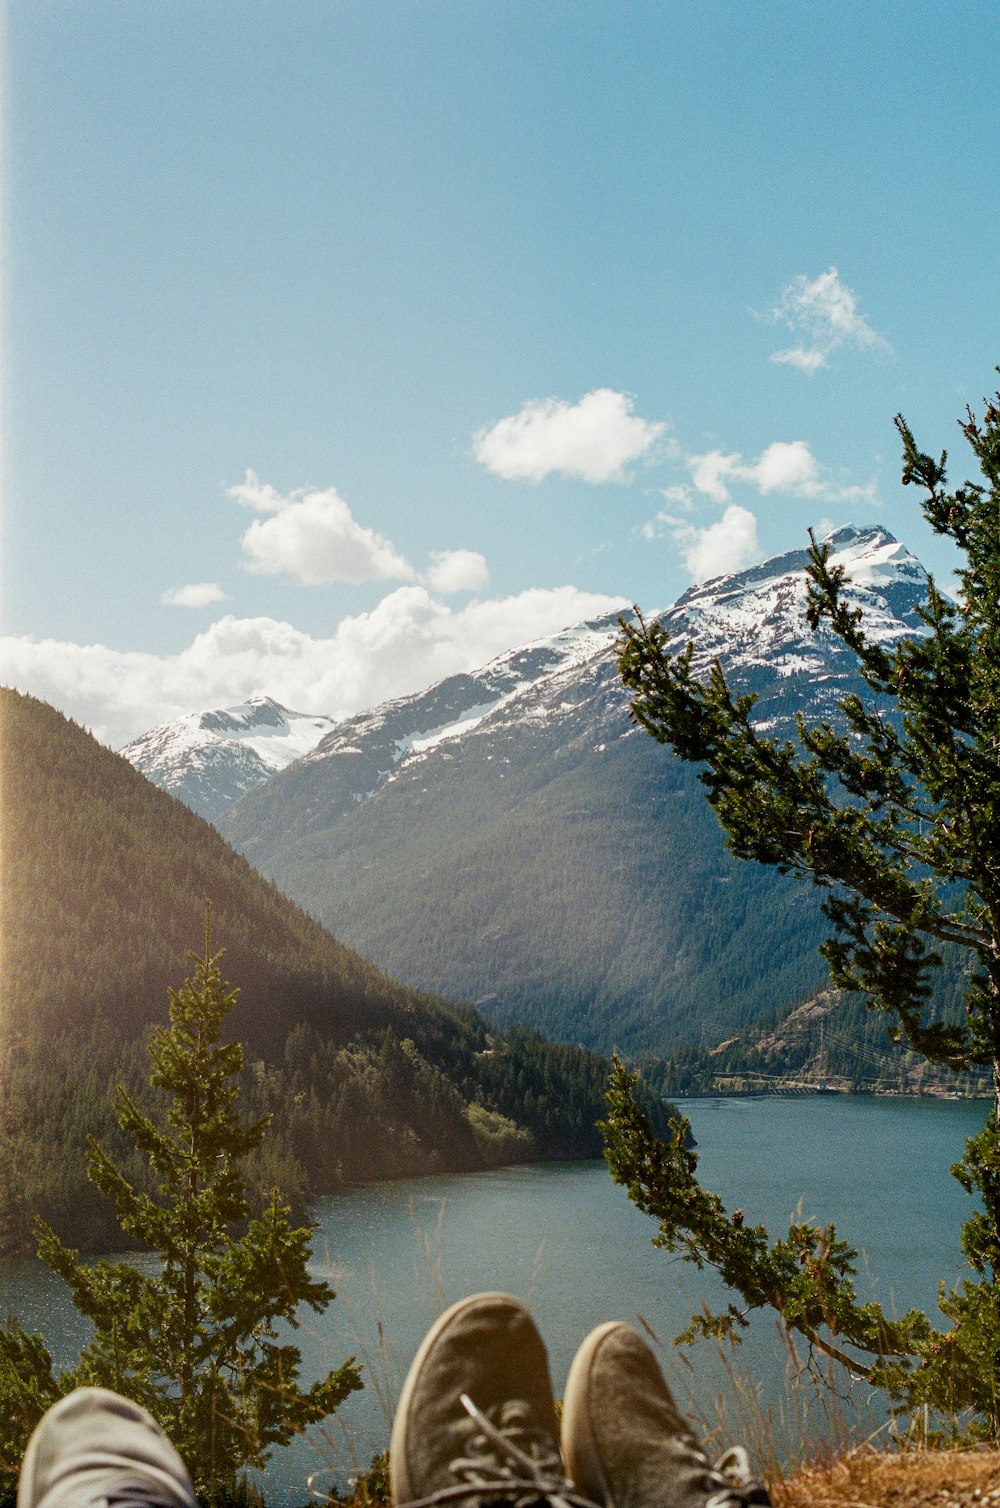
column 565, row 1239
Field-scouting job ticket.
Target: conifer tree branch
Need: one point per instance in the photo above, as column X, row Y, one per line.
column 889, row 817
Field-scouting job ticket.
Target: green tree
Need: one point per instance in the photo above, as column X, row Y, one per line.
column 895, row 814
column 194, row 1337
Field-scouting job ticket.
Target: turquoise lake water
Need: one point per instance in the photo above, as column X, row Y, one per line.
column 566, row 1240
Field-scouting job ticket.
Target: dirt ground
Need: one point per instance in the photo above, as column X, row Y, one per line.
column 905, row 1479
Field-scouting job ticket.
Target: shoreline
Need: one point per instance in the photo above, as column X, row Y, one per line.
column 808, row 1091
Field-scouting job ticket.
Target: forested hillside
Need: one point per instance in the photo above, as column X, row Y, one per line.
column 105, row 882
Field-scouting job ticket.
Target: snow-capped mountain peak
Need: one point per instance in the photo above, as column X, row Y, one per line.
column 210, row 759
column 758, row 616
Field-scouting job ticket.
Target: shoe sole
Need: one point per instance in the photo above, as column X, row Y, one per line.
column 579, row 1448
column 400, row 1485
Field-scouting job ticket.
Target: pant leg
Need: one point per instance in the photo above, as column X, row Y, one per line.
column 93, row 1445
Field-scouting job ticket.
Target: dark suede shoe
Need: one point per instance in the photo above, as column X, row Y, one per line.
column 476, row 1423
column 624, row 1443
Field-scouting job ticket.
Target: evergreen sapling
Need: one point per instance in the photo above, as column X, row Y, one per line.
column 194, row 1337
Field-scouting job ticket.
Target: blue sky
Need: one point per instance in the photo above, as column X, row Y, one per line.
column 349, row 343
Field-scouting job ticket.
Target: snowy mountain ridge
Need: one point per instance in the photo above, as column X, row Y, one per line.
column 749, row 619
column 752, row 620
column 451, row 701
column 375, row 746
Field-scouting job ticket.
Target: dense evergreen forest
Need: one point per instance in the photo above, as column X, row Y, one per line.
column 105, row 880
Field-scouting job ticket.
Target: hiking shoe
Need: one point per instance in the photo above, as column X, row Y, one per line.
column 624, row 1443
column 94, row 1448
column 476, row 1423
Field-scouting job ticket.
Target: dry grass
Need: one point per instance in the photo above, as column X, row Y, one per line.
column 895, row 1479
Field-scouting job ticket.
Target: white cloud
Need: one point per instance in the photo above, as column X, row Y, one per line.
column 408, row 641
column 799, row 356
column 711, row 472
column 730, row 544
column 197, row 594
column 457, row 571
column 824, row 311
column 594, row 439
column 313, row 536
column 785, row 466
column 681, row 495
column 261, row 496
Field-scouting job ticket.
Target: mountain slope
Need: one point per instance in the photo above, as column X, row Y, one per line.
column 550, row 862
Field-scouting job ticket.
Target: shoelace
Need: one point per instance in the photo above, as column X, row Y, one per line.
column 512, row 1461
column 738, row 1487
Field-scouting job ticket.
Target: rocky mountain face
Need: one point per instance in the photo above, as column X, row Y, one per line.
column 510, row 837
column 208, row 760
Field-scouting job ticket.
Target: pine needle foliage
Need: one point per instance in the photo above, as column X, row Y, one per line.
column 894, row 813
column 193, row 1335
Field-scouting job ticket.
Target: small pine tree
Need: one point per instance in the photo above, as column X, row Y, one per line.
column 195, row 1340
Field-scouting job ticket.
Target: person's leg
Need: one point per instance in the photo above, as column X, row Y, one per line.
column 94, row 1448
column 476, row 1423
column 624, row 1442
